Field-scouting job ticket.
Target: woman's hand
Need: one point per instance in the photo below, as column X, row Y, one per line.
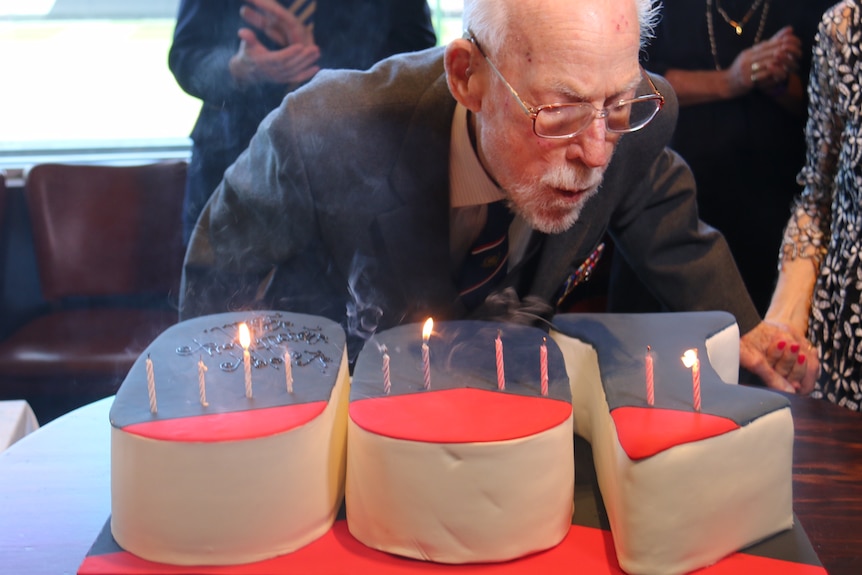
column 782, row 358
column 767, row 65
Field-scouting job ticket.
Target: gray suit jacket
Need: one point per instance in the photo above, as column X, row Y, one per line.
column 340, row 207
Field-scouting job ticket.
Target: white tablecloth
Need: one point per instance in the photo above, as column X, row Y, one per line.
column 16, row 420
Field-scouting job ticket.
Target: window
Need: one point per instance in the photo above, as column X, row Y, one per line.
column 88, row 80
column 447, row 19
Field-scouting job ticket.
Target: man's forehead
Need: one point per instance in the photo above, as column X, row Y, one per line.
column 538, row 18
column 577, row 50
column 580, row 70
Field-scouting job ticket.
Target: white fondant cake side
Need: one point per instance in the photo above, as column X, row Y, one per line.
column 690, row 505
column 230, row 502
column 722, row 350
column 459, row 502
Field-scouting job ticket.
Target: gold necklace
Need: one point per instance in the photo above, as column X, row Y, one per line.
column 736, row 25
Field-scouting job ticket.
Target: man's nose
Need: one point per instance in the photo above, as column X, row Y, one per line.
column 592, row 146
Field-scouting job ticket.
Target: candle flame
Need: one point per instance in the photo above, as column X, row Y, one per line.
column 244, row 336
column 689, row 358
column 426, row 330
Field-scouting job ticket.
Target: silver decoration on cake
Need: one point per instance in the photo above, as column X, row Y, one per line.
column 271, row 334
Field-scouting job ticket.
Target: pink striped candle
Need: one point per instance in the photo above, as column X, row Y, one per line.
column 426, row 359
column 202, row 384
column 650, row 382
column 695, row 381
column 288, row 371
column 501, row 372
column 245, row 341
column 151, row 386
column 543, row 365
column 387, row 383
column 689, row 359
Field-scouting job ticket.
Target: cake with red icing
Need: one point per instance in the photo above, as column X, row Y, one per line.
column 473, row 467
column 211, row 476
column 682, row 487
column 470, row 468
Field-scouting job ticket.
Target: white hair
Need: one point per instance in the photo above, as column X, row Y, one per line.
column 489, row 18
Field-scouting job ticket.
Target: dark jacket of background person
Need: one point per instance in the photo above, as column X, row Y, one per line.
column 353, row 224
column 350, row 34
column 745, row 152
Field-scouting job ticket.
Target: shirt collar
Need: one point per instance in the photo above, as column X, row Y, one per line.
column 470, row 184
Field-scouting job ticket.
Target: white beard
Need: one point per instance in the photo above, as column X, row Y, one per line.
column 553, row 215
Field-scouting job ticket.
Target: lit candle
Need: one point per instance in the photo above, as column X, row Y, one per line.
column 288, row 371
column 501, row 373
column 245, row 341
column 202, row 386
column 387, row 384
column 543, row 365
column 151, row 385
column 650, row 382
column 689, row 359
column 426, row 360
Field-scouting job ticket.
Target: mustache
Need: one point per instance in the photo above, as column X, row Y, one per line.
column 573, row 178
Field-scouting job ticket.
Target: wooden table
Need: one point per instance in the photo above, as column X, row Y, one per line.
column 55, row 488
column 827, row 481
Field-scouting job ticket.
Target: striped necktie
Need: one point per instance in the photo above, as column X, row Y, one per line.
column 304, row 10
column 485, row 264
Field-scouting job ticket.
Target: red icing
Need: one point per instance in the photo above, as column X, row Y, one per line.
column 646, row 431
column 233, row 426
column 584, row 550
column 461, row 415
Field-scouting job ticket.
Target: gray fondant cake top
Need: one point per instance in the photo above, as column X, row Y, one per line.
column 462, row 354
column 621, row 340
column 315, row 346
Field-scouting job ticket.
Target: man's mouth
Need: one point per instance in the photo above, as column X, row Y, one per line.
column 570, row 195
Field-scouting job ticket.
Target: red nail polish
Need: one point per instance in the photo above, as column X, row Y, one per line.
column 801, row 358
column 781, row 344
column 794, row 348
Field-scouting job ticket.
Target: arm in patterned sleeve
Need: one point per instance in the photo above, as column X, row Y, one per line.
column 808, row 229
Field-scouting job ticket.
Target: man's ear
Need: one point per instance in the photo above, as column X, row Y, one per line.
column 459, row 61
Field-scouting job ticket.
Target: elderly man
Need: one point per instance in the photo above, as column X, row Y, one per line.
column 362, row 197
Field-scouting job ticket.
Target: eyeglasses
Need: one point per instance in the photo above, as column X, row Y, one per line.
column 560, row 121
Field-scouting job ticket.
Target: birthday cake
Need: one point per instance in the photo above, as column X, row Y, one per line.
column 223, row 453
column 466, row 457
column 683, row 487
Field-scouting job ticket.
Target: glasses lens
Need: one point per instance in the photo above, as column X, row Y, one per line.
column 562, row 121
column 632, row 115
column 566, row 120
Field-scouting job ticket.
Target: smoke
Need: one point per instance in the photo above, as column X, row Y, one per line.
column 363, row 314
column 505, row 306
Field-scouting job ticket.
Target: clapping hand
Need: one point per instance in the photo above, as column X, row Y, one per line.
column 278, row 23
column 768, row 64
column 295, row 60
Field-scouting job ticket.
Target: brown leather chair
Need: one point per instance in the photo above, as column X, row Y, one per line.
column 109, row 252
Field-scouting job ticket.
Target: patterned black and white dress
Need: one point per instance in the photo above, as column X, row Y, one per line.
column 827, row 220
